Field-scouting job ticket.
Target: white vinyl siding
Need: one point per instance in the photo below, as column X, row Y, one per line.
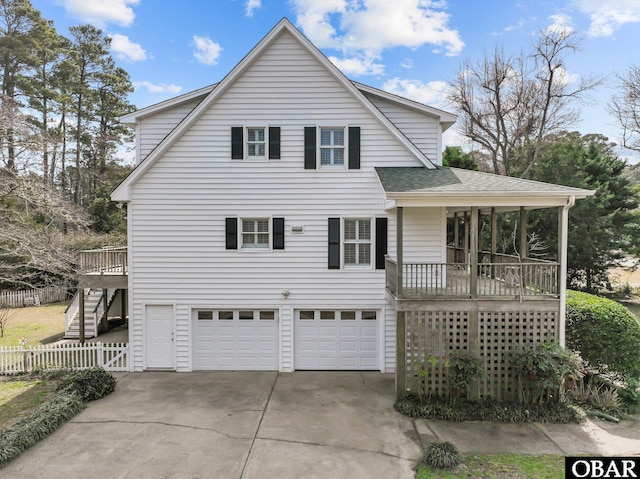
column 178, row 208
column 154, row 128
column 422, row 130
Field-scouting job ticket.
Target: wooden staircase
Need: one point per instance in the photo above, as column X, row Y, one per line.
column 93, row 312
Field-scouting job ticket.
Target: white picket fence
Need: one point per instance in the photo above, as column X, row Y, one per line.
column 33, row 297
column 18, row 359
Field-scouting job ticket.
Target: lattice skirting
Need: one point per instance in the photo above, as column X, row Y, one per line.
column 432, row 337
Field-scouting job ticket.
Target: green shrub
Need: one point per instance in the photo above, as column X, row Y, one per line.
column 543, row 372
column 441, row 455
column 490, row 409
column 88, row 384
column 27, row 431
column 605, row 333
column 461, row 370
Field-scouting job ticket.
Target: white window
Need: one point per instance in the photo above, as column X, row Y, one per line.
column 256, row 145
column 255, row 233
column 357, row 242
column 331, row 146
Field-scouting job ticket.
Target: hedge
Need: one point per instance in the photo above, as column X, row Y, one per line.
column 605, row 333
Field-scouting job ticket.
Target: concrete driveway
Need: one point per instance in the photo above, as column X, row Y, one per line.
column 232, row 425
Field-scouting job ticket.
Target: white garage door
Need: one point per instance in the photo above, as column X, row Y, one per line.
column 235, row 339
column 327, row 339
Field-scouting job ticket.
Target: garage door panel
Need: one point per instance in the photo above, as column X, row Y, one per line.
column 346, row 342
column 227, row 342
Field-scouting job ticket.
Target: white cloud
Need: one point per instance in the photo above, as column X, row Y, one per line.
column 155, row 88
column 365, row 28
column 607, row 17
column 207, row 51
column 432, row 93
column 407, row 63
column 560, row 23
column 358, row 66
column 101, row 12
column 252, row 5
column 125, row 49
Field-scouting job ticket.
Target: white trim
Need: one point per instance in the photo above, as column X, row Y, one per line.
column 446, row 119
column 356, row 267
column 564, row 234
column 145, row 342
column 133, row 118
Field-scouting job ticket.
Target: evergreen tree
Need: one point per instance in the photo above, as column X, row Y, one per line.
column 602, row 228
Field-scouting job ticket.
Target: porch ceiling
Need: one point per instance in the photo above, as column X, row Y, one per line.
column 459, row 189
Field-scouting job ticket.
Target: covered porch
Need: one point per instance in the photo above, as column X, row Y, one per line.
column 471, row 301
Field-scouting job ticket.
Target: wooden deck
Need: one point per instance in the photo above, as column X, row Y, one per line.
column 104, row 268
column 426, row 281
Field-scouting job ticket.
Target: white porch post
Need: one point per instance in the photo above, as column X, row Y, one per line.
column 563, row 233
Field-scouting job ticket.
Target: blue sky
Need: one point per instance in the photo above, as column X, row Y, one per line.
column 409, row 47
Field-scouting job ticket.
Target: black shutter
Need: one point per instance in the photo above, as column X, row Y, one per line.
column 381, row 242
column 309, row 147
column 236, row 142
column 278, row 233
column 354, row 147
column 274, row 142
column 334, row 243
column 231, row 227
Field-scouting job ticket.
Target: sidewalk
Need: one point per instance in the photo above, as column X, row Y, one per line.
column 594, row 437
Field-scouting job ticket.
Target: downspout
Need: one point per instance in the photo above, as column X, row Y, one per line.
column 562, row 257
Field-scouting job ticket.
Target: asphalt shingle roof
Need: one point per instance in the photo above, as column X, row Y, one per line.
column 445, row 180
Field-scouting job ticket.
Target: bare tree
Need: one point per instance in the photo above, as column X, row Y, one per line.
column 6, row 315
column 625, row 106
column 34, row 249
column 508, row 104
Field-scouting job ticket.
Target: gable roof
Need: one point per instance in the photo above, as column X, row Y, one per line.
column 445, row 118
column 454, row 186
column 122, row 192
column 130, row 119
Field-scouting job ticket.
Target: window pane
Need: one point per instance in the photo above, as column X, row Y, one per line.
column 245, row 315
column 364, row 229
column 248, row 226
column 350, row 229
column 263, row 226
column 365, row 254
column 226, row 315
column 305, row 315
column 348, row 315
column 327, row 315
column 248, row 239
column 256, row 134
column 263, row 239
column 350, row 253
column 325, row 156
column 267, row 315
column 338, row 156
column 205, row 315
column 368, row 315
column 338, row 137
column 325, row 137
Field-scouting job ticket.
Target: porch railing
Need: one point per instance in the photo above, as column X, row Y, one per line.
column 104, row 261
column 460, row 280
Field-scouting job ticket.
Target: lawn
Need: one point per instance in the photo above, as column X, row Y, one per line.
column 36, row 323
column 501, row 466
column 20, row 397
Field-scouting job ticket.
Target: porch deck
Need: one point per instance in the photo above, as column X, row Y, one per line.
column 104, row 268
column 530, row 279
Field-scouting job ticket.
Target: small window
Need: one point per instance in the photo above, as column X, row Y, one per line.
column 327, row 315
column 245, row 315
column 255, row 233
column 332, row 146
column 357, row 242
column 225, row 315
column 205, row 315
column 267, row 315
column 256, row 143
column 307, row 315
column 348, row 315
column 369, row 315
